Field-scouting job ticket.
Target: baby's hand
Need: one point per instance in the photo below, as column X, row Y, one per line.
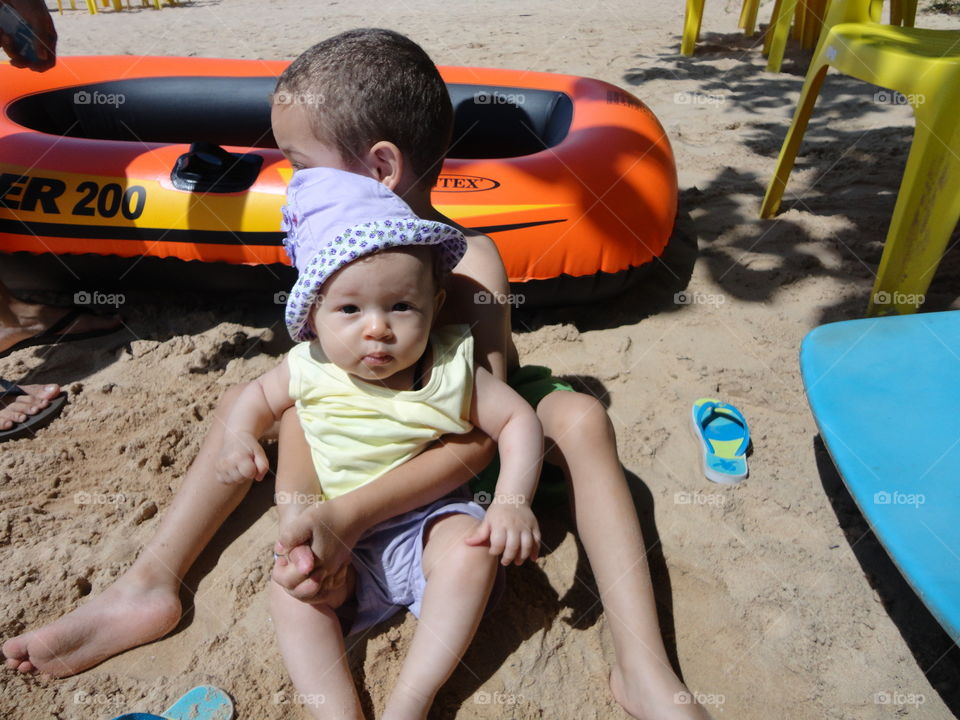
column 511, row 529
column 241, row 458
column 313, row 552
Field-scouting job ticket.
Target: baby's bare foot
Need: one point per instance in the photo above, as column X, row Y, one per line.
column 127, row 614
column 655, row 698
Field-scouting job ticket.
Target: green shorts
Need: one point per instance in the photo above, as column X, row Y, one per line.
column 533, row 383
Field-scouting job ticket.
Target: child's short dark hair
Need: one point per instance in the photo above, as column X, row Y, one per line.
column 369, row 85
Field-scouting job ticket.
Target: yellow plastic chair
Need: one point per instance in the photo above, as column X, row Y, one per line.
column 923, row 65
column 808, row 24
column 693, row 17
column 91, row 6
column 776, row 37
column 117, row 4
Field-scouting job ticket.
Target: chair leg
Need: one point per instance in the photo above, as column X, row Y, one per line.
column 92, row 7
column 798, row 21
column 748, row 16
column 771, row 26
column 780, row 25
column 927, row 211
column 813, row 23
column 691, row 26
column 791, row 143
column 909, row 12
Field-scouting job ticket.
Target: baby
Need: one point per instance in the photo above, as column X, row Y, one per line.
column 374, row 383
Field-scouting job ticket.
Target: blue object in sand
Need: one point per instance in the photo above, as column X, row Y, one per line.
column 722, row 433
column 885, row 393
column 203, row 702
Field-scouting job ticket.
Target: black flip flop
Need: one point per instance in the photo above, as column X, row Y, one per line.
column 33, row 422
column 56, row 332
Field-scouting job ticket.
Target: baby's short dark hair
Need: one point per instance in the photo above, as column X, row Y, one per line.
column 369, row 85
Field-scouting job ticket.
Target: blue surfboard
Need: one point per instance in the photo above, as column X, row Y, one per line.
column 885, row 393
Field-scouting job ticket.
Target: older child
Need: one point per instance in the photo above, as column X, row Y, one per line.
column 385, row 113
column 373, row 387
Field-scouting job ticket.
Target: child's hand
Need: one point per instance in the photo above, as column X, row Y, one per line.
column 303, row 577
column 241, row 458
column 313, row 549
column 511, row 528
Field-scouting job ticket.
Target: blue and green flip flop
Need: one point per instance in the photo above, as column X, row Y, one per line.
column 724, row 439
column 203, row 702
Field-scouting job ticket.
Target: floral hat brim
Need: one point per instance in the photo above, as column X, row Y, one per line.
column 360, row 240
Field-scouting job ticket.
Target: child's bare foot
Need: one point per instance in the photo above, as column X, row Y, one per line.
column 655, row 698
column 128, row 613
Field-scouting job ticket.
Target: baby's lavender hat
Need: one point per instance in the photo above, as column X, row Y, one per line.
column 333, row 217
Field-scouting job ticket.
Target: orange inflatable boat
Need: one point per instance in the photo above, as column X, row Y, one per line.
column 573, row 178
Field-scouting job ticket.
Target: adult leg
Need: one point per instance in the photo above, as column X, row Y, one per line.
column 311, row 643
column 143, row 604
column 21, row 320
column 584, row 446
column 459, row 579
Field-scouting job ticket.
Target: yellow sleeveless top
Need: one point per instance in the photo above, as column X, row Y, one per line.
column 358, row 431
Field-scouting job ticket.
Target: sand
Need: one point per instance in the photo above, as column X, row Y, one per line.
column 775, row 600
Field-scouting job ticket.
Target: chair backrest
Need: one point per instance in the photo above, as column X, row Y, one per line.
column 849, row 11
column 853, row 11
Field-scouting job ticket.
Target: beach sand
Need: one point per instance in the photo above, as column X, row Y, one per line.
column 775, row 600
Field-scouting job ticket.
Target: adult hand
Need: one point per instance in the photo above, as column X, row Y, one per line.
column 37, row 17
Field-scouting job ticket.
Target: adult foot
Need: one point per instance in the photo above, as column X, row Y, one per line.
column 15, row 409
column 663, row 697
column 128, row 613
column 24, row 321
